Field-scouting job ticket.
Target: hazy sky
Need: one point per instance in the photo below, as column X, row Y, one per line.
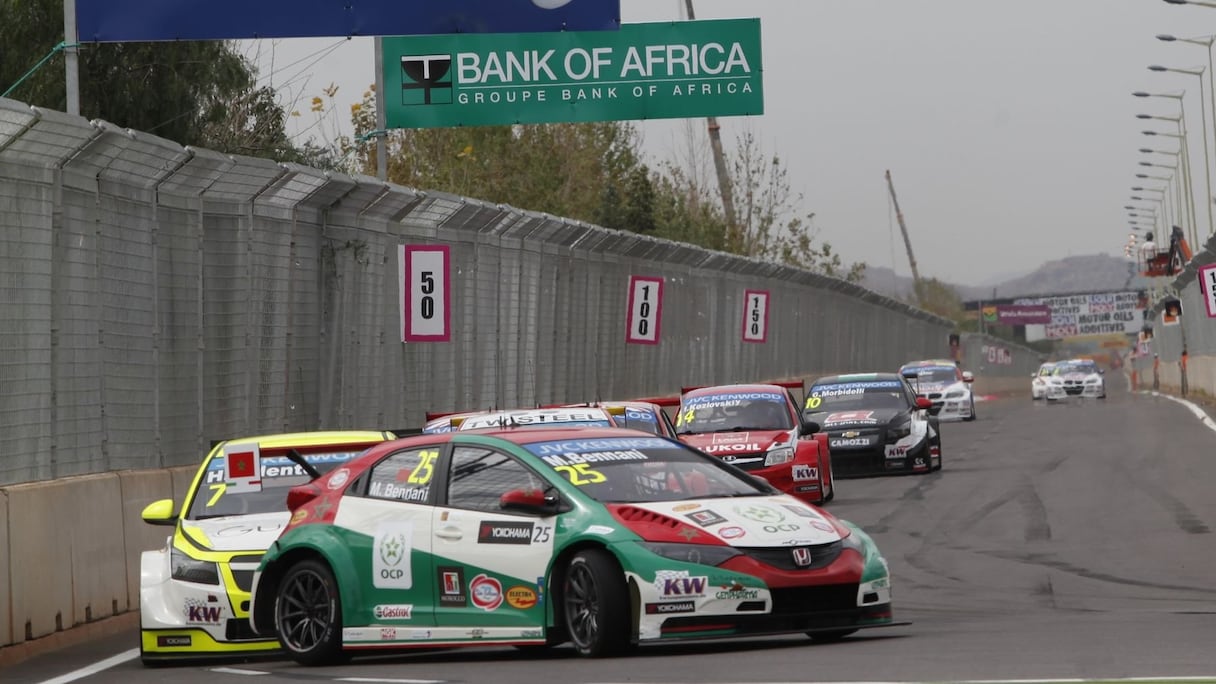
column 1008, row 125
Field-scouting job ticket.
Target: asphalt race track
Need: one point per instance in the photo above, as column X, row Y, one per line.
column 1059, row 541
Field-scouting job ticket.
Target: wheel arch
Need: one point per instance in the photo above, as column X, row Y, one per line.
column 309, row 544
column 557, row 576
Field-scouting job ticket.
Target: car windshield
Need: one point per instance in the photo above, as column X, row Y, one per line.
column 852, row 396
column 935, row 374
column 641, row 469
column 1046, row 368
column 213, row 500
column 1086, row 367
column 733, row 412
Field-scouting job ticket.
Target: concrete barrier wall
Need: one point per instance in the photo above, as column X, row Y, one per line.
column 6, row 585
column 71, row 548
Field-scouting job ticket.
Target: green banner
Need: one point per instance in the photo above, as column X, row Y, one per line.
column 669, row 70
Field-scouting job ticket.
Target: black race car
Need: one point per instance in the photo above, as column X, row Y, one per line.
column 876, row 424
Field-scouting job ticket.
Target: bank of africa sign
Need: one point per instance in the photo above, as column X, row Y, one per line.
column 643, row 71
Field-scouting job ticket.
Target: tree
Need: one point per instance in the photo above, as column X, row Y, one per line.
column 198, row 93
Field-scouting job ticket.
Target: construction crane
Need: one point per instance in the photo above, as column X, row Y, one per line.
column 903, row 228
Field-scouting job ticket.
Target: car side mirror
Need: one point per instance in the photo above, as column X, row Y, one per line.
column 530, row 501
column 160, row 513
column 923, row 403
column 810, row 427
column 1101, row 371
column 968, row 377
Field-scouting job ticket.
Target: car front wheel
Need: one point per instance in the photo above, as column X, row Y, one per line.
column 308, row 614
column 596, row 604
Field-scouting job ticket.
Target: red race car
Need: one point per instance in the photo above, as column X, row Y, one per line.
column 759, row 428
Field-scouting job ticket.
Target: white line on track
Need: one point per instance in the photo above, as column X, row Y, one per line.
column 373, row 680
column 1194, row 408
column 1063, row 680
column 93, row 669
column 238, row 671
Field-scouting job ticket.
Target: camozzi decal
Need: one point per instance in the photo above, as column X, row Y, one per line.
column 504, row 532
column 391, row 552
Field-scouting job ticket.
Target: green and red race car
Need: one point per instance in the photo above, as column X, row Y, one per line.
column 601, row 537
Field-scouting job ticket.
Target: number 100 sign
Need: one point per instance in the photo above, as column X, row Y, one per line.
column 645, row 310
column 425, row 292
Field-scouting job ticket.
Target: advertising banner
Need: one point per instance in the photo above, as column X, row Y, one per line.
column 1087, row 314
column 643, row 71
column 100, row 21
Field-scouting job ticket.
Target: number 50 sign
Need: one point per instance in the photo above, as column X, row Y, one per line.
column 645, row 310
column 425, row 292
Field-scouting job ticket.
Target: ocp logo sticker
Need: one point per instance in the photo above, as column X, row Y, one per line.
column 426, row 79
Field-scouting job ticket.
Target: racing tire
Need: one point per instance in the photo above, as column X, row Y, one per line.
column 829, row 637
column 938, row 444
column 308, row 614
column 595, row 604
column 971, row 417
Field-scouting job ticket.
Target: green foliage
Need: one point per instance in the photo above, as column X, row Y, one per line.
column 198, row 93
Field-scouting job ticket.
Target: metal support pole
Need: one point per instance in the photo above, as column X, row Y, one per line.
column 381, row 116
column 1207, row 173
column 71, row 61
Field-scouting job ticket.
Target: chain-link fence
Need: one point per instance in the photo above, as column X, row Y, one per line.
column 158, row 297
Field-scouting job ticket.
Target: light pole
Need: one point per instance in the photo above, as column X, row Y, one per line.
column 1188, row 191
column 1203, row 108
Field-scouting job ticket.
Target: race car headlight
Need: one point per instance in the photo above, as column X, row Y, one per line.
column 778, row 456
column 1055, row 381
column 188, row 569
column 956, row 394
column 900, row 431
column 853, row 542
column 1093, row 381
column 702, row 554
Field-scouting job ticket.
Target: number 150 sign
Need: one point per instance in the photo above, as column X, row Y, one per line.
column 425, row 292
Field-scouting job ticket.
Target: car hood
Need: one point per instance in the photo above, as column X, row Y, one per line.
column 838, row 420
column 253, row 532
column 753, row 521
column 727, row 443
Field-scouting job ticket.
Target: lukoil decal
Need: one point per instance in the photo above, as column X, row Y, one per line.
column 677, row 584
column 391, row 552
column 486, row 592
column 726, row 448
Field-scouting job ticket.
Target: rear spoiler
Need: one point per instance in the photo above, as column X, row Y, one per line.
column 787, row 384
column 664, row 402
column 406, row 432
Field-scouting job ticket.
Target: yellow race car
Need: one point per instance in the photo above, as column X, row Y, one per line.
column 194, row 592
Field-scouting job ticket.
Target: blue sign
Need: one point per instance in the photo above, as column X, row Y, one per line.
column 101, row 21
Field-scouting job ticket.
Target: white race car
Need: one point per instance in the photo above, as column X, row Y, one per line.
column 1076, row 378
column 945, row 384
column 1038, row 382
column 194, row 592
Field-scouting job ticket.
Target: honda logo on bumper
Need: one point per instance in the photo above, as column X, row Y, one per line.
column 802, row 557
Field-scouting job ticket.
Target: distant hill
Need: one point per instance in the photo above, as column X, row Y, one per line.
column 1090, row 273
